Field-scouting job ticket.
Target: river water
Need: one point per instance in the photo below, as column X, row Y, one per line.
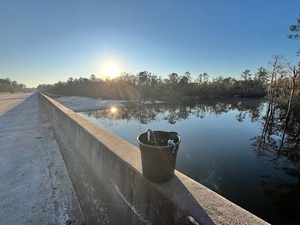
column 220, row 149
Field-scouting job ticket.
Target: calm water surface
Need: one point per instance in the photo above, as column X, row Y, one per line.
column 219, row 149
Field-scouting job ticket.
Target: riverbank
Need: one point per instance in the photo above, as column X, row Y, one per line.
column 82, row 104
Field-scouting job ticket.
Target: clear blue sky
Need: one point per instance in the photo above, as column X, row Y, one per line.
column 46, row 41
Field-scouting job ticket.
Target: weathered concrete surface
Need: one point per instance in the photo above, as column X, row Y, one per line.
column 107, row 175
column 34, row 184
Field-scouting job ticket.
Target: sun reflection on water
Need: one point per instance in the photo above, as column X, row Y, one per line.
column 113, row 110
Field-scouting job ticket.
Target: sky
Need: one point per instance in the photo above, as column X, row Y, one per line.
column 46, row 41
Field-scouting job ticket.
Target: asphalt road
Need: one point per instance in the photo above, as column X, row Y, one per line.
column 9, row 101
column 35, row 187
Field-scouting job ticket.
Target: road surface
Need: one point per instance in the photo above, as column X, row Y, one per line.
column 35, row 187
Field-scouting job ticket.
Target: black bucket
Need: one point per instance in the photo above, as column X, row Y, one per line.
column 158, row 157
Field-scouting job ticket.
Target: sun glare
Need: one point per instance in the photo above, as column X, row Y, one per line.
column 113, row 110
column 111, row 70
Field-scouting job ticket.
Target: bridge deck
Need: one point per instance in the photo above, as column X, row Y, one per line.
column 35, row 187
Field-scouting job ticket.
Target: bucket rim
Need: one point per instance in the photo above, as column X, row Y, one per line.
column 153, row 146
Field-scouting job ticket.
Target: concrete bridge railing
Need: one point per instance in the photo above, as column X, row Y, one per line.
column 107, row 176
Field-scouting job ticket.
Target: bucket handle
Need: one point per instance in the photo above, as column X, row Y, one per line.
column 149, row 131
column 171, row 143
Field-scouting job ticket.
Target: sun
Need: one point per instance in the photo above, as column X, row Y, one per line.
column 111, row 70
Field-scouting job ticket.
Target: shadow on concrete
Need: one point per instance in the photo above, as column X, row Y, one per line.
column 181, row 196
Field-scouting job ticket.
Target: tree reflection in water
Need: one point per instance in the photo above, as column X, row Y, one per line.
column 283, row 154
column 279, row 144
column 146, row 113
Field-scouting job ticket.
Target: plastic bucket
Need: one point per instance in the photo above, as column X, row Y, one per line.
column 158, row 158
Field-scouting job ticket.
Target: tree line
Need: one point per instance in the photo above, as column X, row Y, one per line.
column 148, row 86
column 279, row 78
column 7, row 85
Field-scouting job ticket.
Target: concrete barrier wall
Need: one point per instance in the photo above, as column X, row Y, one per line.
column 107, row 176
